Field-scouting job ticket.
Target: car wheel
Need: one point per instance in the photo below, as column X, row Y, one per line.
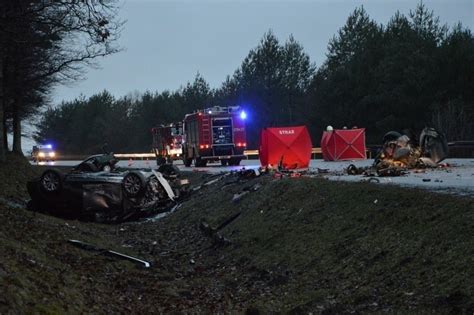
column 51, row 181
column 133, row 184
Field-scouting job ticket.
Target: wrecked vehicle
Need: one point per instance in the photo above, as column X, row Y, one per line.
column 107, row 195
column 99, row 162
column 402, row 151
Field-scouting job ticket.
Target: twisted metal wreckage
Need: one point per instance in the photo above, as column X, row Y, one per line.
column 401, row 152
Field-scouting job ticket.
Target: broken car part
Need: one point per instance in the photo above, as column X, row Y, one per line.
column 91, row 247
column 402, row 151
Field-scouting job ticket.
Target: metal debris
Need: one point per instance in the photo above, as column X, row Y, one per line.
column 91, row 247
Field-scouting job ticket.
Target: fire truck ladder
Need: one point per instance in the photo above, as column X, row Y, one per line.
column 206, row 129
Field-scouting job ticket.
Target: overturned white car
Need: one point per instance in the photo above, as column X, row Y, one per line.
column 113, row 196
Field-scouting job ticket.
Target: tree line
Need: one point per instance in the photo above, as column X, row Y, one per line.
column 44, row 43
column 410, row 73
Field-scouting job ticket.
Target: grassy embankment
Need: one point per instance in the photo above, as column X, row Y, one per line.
column 298, row 245
column 351, row 246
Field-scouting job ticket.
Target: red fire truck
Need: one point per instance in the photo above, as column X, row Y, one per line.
column 214, row 134
column 167, row 142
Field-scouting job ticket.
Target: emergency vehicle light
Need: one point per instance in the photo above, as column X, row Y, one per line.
column 243, row 115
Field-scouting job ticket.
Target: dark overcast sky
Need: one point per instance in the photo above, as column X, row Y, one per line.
column 167, row 42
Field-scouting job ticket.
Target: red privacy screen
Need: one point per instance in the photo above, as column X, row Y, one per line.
column 292, row 145
column 343, row 144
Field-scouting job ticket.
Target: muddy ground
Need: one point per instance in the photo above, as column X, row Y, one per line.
column 295, row 245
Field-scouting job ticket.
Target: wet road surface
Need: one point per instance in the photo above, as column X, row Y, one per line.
column 458, row 178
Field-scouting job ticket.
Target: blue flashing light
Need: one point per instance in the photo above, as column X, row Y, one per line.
column 48, row 146
column 243, row 115
column 210, row 112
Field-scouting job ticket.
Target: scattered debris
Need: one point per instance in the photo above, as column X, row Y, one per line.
column 164, row 214
column 402, row 150
column 400, row 153
column 354, row 170
column 392, row 171
column 213, row 233
column 373, row 180
column 92, row 247
column 13, row 204
column 322, row 170
column 239, row 196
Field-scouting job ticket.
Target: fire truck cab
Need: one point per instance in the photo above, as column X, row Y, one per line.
column 214, row 134
column 167, row 143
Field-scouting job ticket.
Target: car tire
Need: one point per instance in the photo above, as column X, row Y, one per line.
column 133, row 184
column 51, row 181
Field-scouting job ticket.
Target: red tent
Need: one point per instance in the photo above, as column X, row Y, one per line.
column 293, row 144
column 345, row 144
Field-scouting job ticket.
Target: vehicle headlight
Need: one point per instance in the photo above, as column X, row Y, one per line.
column 52, row 154
column 41, row 154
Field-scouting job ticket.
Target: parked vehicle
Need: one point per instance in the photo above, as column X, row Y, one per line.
column 167, row 143
column 214, row 134
column 41, row 153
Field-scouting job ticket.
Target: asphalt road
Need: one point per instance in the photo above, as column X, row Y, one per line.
column 458, row 178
